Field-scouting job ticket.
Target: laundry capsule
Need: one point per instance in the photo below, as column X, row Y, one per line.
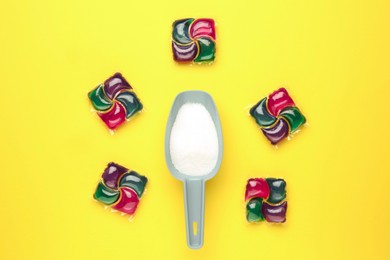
column 115, row 101
column 193, row 40
column 278, row 116
column 266, row 200
column 120, row 188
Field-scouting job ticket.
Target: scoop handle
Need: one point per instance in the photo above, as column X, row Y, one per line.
column 194, row 193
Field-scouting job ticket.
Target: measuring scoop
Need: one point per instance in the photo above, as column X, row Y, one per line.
column 194, row 186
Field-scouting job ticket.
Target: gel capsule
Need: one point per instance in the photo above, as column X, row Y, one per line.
column 277, row 116
column 120, row 188
column 115, row 101
column 193, row 40
column 265, row 200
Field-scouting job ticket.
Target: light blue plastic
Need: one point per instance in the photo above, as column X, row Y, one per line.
column 194, row 186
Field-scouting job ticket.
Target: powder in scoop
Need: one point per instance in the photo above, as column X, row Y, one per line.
column 194, row 141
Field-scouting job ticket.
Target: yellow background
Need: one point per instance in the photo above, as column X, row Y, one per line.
column 332, row 55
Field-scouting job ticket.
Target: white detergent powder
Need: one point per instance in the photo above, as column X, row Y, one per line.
column 194, row 141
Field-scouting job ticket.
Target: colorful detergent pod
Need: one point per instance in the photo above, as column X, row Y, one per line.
column 277, row 116
column 193, row 40
column 120, row 188
column 115, row 101
column 265, row 200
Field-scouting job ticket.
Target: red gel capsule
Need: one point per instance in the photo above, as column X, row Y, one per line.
column 256, row 188
column 114, row 117
column 128, row 201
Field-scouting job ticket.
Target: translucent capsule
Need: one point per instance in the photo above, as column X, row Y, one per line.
column 265, row 200
column 114, row 101
column 120, row 188
column 277, row 116
column 193, row 40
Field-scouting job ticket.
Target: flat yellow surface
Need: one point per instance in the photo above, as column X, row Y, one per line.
column 334, row 58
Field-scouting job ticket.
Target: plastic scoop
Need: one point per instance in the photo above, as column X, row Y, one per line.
column 194, row 186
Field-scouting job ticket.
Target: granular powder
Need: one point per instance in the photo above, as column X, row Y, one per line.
column 194, row 141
